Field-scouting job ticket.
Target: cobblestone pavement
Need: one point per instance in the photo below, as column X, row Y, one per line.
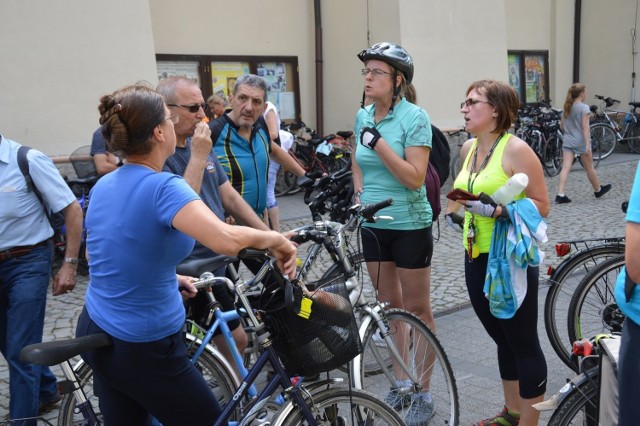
column 469, row 349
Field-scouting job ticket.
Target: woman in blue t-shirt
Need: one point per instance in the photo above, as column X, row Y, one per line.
column 140, row 224
column 391, row 162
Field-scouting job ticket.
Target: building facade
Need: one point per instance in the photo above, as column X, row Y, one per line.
column 60, row 57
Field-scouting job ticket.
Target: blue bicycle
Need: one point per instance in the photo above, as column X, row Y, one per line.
column 287, row 345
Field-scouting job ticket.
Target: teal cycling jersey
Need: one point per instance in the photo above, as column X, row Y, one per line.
column 407, row 126
column 246, row 162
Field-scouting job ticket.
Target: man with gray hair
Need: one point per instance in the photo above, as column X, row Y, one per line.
column 243, row 145
column 195, row 160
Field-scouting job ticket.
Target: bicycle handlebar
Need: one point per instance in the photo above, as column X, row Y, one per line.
column 609, row 102
column 368, row 212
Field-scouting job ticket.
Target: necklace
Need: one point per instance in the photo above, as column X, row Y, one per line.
column 471, row 181
column 472, row 249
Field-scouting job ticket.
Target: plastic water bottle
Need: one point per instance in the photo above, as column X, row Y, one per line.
column 507, row 192
column 628, row 118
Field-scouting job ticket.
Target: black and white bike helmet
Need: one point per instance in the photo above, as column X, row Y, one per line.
column 393, row 54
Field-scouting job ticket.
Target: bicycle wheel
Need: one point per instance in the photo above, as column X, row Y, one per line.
column 634, row 138
column 285, row 182
column 579, row 407
column 605, row 136
column 593, row 309
column 456, row 165
column 564, row 282
column 425, row 358
column 553, row 155
column 219, row 379
column 341, row 407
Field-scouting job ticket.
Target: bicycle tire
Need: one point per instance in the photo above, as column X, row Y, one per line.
column 605, row 136
column 553, row 155
column 563, row 283
column 340, row 406
column 593, row 309
column 426, row 349
column 634, row 138
column 285, row 182
column 218, row 378
column 456, row 165
column 579, row 407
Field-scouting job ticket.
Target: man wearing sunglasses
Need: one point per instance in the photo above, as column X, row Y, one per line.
column 195, row 160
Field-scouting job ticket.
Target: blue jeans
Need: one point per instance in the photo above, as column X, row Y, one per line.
column 24, row 282
column 629, row 374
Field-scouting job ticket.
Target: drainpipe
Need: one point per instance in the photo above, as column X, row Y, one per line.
column 576, row 40
column 319, row 76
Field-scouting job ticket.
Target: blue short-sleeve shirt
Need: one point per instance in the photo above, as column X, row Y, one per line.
column 133, row 252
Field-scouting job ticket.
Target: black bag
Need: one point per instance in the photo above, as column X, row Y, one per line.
column 56, row 219
column 440, row 155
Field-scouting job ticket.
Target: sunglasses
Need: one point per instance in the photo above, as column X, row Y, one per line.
column 191, row 108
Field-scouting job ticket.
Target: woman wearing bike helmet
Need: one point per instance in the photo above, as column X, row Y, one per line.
column 391, row 162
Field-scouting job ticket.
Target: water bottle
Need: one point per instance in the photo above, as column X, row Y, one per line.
column 507, row 192
column 628, row 118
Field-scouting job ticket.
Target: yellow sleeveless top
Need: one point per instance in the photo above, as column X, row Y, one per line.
column 488, row 180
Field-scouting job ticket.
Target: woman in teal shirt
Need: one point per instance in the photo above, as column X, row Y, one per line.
column 391, row 162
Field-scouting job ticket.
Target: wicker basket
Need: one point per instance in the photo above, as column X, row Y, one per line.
column 316, row 334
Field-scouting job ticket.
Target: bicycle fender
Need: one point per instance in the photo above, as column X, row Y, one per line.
column 566, row 390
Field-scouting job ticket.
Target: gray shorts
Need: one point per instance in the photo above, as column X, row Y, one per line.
column 579, row 149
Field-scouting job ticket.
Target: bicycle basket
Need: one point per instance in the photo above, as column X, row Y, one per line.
column 317, row 334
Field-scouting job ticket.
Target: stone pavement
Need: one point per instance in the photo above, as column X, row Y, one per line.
column 470, row 351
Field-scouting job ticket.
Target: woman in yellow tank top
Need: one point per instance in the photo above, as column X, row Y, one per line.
column 490, row 160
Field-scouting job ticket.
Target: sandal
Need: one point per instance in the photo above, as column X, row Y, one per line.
column 502, row 419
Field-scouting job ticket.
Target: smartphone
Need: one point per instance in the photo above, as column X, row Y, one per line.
column 461, row 195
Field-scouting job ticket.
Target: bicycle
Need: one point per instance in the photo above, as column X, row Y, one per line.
column 607, row 132
column 318, row 156
column 577, row 401
column 565, row 279
column 456, row 163
column 330, row 406
column 593, row 308
column 379, row 326
column 539, row 126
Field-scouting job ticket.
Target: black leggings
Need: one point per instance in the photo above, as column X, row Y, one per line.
column 520, row 356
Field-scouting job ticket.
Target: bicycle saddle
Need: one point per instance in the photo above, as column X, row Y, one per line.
column 58, row 351
column 196, row 267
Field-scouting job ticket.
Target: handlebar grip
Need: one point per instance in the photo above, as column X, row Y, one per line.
column 370, row 210
column 251, row 253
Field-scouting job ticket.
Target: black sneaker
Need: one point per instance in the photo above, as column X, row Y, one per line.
column 603, row 190
column 563, row 199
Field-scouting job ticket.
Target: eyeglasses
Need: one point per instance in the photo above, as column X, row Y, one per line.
column 174, row 119
column 374, row 72
column 471, row 102
column 191, row 108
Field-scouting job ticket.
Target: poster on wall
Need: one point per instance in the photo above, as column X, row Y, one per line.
column 224, row 76
column 534, row 78
column 514, row 72
column 188, row 69
column 275, row 74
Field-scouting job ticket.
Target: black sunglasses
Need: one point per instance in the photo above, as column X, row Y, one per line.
column 191, row 108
